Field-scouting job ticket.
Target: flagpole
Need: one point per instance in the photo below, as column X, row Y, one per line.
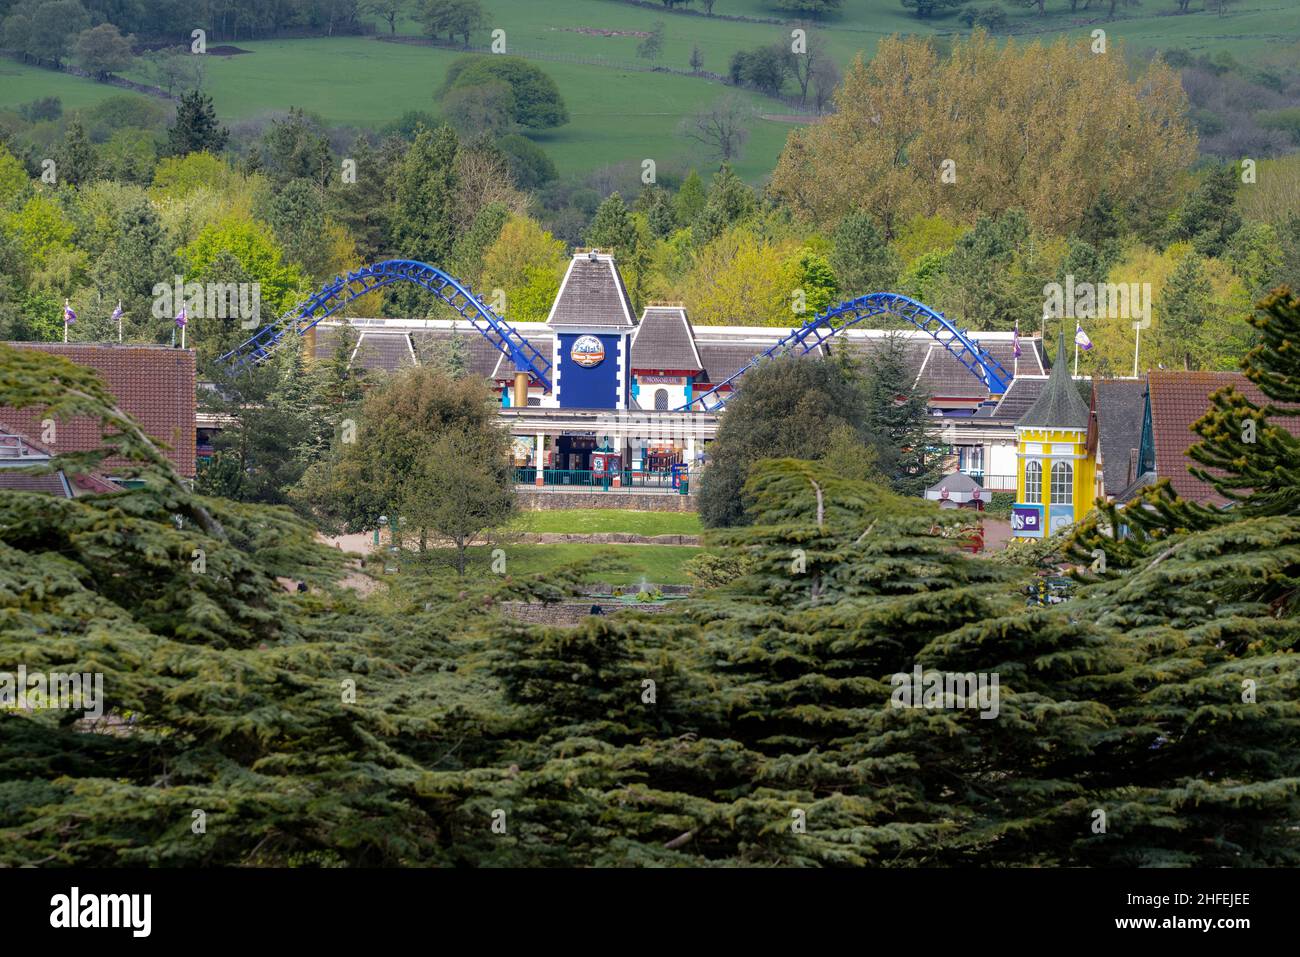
column 1076, row 353
column 1137, row 339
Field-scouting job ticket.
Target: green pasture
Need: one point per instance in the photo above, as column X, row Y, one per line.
column 20, row 83
column 621, row 116
column 617, row 116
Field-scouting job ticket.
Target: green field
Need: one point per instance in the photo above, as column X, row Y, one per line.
column 20, row 83
column 621, row 116
column 591, row 521
column 615, row 564
column 617, row 116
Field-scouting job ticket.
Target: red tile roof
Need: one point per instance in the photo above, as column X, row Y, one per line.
column 50, row 483
column 1178, row 399
column 154, row 384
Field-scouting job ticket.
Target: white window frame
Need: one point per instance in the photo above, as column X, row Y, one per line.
column 1066, row 469
column 1033, row 496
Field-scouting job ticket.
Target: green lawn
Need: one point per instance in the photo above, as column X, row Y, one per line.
column 615, row 564
column 595, row 520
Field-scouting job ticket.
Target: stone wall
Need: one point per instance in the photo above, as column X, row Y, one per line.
column 606, row 538
column 565, row 612
column 538, row 499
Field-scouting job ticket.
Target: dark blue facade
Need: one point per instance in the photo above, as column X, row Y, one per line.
column 597, row 387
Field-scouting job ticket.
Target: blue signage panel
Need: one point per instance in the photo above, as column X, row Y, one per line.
column 1061, row 516
column 588, row 371
column 1027, row 520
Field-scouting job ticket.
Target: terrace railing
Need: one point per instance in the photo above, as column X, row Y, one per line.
column 585, row 478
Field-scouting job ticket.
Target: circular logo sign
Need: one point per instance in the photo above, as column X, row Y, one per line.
column 587, row 352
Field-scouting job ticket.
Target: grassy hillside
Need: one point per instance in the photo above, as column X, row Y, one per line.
column 622, row 115
column 20, row 83
column 618, row 116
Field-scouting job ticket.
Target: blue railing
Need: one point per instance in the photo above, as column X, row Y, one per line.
column 631, row 478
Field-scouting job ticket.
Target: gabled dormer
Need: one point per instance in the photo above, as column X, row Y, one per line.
column 665, row 360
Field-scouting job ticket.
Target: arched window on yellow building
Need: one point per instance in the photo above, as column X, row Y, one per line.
column 1062, row 484
column 1033, row 482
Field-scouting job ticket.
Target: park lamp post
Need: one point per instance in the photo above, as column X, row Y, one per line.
column 383, row 520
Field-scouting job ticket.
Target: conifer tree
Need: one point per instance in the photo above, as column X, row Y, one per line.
column 730, row 201
column 1247, row 455
column 862, row 259
column 898, row 420
column 247, row 724
column 1185, row 302
column 423, row 220
column 196, row 129
column 690, row 199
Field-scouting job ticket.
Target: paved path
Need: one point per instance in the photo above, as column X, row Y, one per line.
column 997, row 532
column 360, row 542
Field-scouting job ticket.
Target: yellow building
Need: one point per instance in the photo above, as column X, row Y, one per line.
column 1056, row 457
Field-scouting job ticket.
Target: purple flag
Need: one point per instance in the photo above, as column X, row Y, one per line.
column 117, row 313
column 181, row 318
column 69, row 317
column 1081, row 338
column 1015, row 341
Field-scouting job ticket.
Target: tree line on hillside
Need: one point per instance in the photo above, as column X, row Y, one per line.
column 46, row 30
column 1150, row 720
column 727, row 251
column 290, row 202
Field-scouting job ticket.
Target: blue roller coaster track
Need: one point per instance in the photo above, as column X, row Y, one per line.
column 812, row 334
column 334, row 295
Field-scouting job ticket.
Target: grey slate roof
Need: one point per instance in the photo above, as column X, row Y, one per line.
column 326, row 337
column 481, row 354
column 592, row 294
column 914, row 350
column 722, row 359
column 1129, row 493
column 384, row 350
column 957, row 482
column 939, row 372
column 1023, row 393
column 665, row 340
column 1121, row 404
column 1059, row 406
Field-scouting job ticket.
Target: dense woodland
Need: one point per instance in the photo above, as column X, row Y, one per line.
column 1152, row 719
column 398, row 719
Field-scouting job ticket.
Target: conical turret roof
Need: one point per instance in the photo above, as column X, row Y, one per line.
column 1059, row 406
